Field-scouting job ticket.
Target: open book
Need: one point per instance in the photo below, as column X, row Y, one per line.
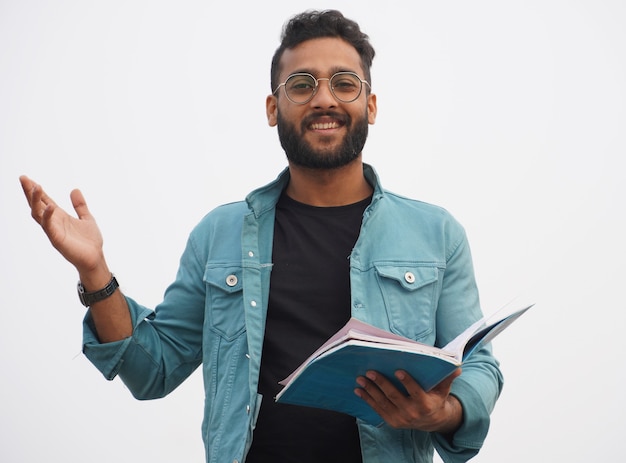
column 327, row 379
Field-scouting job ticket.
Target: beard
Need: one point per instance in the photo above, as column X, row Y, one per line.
column 300, row 153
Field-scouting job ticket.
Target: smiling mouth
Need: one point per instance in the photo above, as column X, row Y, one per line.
column 325, row 125
column 326, row 121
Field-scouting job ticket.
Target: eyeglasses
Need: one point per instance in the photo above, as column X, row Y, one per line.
column 300, row 88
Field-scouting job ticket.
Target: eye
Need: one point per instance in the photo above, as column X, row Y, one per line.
column 346, row 83
column 300, row 84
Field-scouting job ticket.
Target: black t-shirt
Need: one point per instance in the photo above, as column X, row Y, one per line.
column 309, row 301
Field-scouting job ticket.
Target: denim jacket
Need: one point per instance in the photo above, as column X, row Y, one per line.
column 410, row 273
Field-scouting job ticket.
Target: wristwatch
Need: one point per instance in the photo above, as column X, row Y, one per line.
column 89, row 298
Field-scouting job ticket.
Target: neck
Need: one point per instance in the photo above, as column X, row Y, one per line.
column 328, row 187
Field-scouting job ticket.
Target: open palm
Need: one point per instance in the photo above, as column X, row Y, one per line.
column 78, row 239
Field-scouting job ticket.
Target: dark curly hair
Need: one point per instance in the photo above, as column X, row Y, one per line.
column 317, row 24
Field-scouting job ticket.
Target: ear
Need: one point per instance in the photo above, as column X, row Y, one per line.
column 371, row 108
column 271, row 110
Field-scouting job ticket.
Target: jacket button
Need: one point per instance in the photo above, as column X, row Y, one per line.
column 409, row 277
column 231, row 280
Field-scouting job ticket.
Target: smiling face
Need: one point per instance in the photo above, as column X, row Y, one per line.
column 323, row 133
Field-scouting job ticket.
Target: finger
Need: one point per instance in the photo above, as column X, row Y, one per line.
column 382, row 389
column 43, row 197
column 80, row 205
column 412, row 387
column 28, row 186
column 38, row 195
column 37, row 199
column 374, row 397
column 416, row 391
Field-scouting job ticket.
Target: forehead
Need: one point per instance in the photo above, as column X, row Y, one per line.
column 321, row 57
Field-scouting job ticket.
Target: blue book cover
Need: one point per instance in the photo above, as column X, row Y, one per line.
column 327, row 379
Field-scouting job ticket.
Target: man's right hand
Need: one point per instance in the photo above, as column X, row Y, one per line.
column 79, row 240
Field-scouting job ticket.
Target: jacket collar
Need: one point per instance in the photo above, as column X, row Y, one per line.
column 265, row 198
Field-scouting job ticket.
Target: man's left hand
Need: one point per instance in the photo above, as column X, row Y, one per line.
column 433, row 411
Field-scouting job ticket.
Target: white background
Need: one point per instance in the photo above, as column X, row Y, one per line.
column 511, row 114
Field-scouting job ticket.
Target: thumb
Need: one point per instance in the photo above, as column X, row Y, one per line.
column 446, row 384
column 80, row 205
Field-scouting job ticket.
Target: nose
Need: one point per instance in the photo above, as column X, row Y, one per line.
column 323, row 97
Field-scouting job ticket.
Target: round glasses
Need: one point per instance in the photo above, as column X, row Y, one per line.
column 300, row 88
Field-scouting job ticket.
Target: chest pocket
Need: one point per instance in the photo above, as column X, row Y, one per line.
column 410, row 294
column 224, row 301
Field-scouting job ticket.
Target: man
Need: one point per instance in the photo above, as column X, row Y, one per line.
column 263, row 283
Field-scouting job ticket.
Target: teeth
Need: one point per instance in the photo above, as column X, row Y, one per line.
column 325, row 125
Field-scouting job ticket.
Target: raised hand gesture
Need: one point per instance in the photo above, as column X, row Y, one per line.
column 77, row 239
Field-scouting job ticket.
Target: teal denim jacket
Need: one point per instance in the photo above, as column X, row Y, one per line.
column 214, row 315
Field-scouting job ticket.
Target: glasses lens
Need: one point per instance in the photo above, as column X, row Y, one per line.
column 346, row 86
column 300, row 87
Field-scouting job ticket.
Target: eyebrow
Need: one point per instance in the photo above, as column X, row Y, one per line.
column 315, row 73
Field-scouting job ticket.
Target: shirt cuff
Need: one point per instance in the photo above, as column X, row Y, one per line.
column 469, row 438
column 108, row 357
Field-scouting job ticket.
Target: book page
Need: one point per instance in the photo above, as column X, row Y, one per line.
column 356, row 329
column 456, row 346
column 484, row 330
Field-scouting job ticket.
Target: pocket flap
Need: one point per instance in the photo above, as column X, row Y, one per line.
column 410, row 277
column 226, row 278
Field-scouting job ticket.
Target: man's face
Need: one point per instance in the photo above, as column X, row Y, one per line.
column 324, row 132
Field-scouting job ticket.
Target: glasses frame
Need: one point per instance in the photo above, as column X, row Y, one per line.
column 317, row 85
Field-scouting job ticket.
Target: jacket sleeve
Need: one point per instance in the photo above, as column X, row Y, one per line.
column 481, row 381
column 166, row 344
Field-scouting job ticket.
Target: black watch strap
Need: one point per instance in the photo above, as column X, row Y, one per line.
column 89, row 298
